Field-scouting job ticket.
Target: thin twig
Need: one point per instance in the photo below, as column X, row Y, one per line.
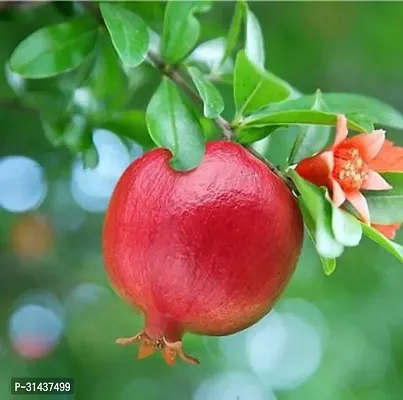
column 172, row 74
column 178, row 79
column 273, row 168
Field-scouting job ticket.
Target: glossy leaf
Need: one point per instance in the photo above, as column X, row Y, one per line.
column 181, row 28
column 208, row 56
column 378, row 111
column 365, row 121
column 212, row 100
column 78, row 134
column 383, row 241
column 151, row 12
column 311, row 138
column 277, row 146
column 108, row 81
column 128, row 32
column 54, row 129
column 346, row 228
column 254, row 87
column 328, row 264
column 355, row 105
column 386, row 206
column 72, row 131
column 254, row 46
column 173, row 126
column 320, row 210
column 234, row 30
column 285, row 114
column 54, row 49
column 327, row 244
column 251, row 135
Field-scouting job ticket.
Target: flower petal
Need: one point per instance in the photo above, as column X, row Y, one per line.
column 338, row 196
column 389, row 159
column 368, row 145
column 359, row 202
column 341, row 130
column 375, row 182
column 387, row 230
column 317, row 169
column 145, row 350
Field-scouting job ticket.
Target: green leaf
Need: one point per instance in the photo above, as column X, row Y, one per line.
column 128, row 32
column 327, row 244
column 277, row 146
column 213, row 102
column 346, row 228
column 380, row 112
column 54, row 129
column 207, row 57
column 54, row 49
column 78, row 134
column 130, row 124
column 386, row 206
column 320, row 210
column 234, row 30
column 357, row 105
column 73, row 131
column 90, row 157
column 311, row 138
column 251, row 135
column 285, row 114
column 173, row 126
column 108, row 81
column 328, row 264
column 254, row 87
column 383, row 241
column 181, row 29
column 254, row 47
column 151, row 12
column 365, row 121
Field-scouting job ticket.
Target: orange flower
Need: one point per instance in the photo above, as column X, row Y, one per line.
column 389, row 159
column 345, row 167
column 387, row 230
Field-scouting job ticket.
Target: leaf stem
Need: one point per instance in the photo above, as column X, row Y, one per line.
column 173, row 74
column 295, row 148
column 176, row 77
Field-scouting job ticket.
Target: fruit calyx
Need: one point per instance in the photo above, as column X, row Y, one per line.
column 149, row 346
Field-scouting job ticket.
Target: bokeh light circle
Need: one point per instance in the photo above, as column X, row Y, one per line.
column 232, row 385
column 84, row 295
column 34, row 331
column 284, row 350
column 92, row 188
column 23, row 185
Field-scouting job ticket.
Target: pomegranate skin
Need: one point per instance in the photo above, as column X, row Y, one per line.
column 206, row 251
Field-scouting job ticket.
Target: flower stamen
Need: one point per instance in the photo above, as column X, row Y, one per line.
column 349, row 168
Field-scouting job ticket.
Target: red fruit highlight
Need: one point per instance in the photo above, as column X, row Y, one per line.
column 206, row 251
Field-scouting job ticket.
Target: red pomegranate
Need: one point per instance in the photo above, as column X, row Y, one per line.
column 206, row 251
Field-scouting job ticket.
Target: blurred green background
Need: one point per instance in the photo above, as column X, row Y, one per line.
column 337, row 337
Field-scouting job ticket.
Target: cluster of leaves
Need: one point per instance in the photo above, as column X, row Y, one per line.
column 97, row 57
column 331, row 228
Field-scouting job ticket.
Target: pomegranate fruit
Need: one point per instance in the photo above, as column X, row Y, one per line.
column 206, row 251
